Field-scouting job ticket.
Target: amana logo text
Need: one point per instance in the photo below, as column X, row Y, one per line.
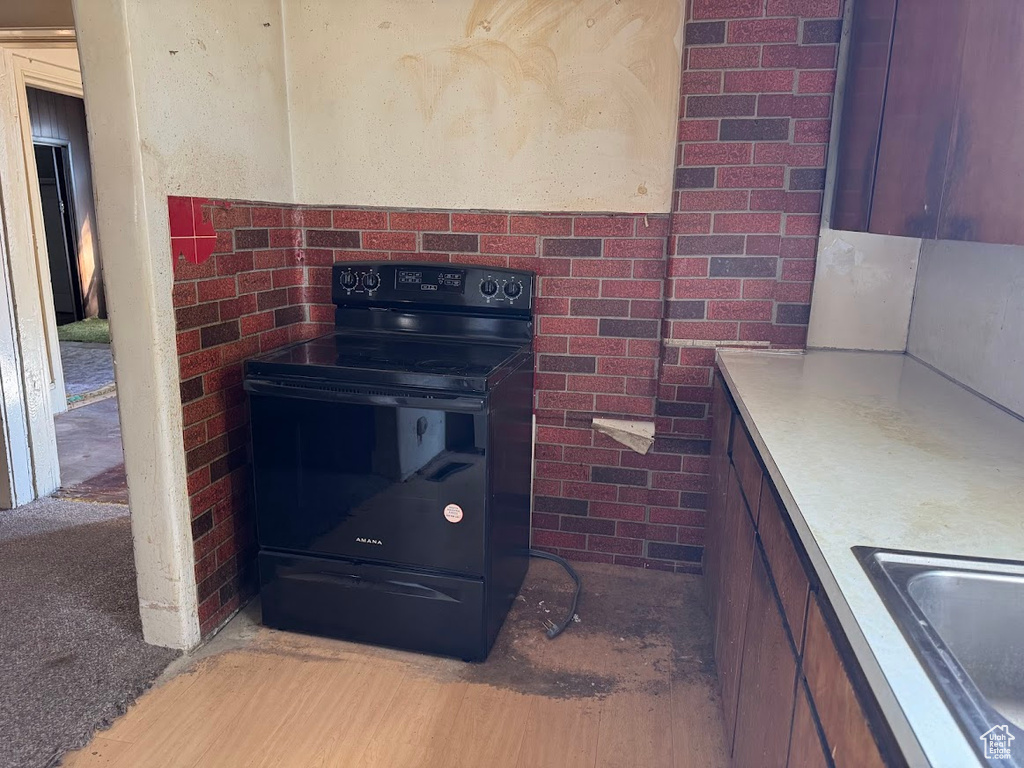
column 377, row 542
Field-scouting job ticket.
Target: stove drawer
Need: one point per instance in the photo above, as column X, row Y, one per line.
column 374, row 604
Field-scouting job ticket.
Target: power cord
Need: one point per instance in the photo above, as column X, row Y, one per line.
column 557, row 629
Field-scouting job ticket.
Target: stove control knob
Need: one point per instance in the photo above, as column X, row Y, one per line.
column 513, row 289
column 348, row 281
column 488, row 287
column 372, row 281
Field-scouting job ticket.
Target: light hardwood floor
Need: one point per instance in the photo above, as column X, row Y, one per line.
column 628, row 688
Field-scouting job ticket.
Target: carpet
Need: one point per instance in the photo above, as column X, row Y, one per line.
column 88, row 371
column 91, row 329
column 72, row 657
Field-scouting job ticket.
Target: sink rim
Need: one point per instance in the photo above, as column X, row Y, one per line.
column 891, row 572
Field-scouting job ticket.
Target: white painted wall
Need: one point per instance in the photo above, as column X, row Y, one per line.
column 863, row 289
column 499, row 104
column 210, row 119
column 968, row 317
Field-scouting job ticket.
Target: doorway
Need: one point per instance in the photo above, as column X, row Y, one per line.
column 87, row 420
column 140, row 304
column 66, row 540
column 59, row 225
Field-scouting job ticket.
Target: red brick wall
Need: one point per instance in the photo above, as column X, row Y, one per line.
column 629, row 306
column 598, row 341
column 239, row 290
column 755, row 111
column 754, row 124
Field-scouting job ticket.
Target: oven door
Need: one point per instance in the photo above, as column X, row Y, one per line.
column 392, row 477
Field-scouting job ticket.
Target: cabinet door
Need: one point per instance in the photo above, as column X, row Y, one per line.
column 920, row 102
column 806, row 749
column 737, row 547
column 767, row 679
column 846, row 728
column 859, row 126
column 744, row 458
column 929, row 142
column 721, row 416
column 985, row 179
column 783, row 562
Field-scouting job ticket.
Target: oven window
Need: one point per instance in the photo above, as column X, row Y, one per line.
column 397, row 484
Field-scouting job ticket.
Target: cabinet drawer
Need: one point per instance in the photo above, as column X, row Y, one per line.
column 846, row 728
column 787, row 570
column 744, row 458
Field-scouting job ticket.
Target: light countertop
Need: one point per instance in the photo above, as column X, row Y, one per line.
column 876, row 449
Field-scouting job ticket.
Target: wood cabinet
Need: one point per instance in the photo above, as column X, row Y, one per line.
column 917, row 122
column 928, row 142
column 744, row 459
column 842, row 719
column 790, row 577
column 721, row 429
column 788, row 698
column 861, row 113
column 736, row 550
column 806, row 748
column 765, row 700
column 984, row 179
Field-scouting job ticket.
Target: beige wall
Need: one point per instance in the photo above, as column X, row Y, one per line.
column 968, row 317
column 863, row 289
column 208, row 119
column 36, row 13
column 504, row 104
column 210, row 94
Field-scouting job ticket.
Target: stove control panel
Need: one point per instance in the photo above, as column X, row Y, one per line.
column 356, row 279
column 450, row 285
column 504, row 287
column 439, row 279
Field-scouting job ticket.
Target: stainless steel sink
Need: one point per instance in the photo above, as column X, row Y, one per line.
column 965, row 621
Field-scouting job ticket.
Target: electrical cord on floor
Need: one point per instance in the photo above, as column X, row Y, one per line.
column 557, row 629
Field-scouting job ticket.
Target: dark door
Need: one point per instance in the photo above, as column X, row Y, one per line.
column 58, row 224
column 403, row 484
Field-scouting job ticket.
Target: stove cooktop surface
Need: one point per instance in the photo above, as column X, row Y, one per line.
column 385, row 355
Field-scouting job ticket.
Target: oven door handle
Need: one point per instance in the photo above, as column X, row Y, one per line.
column 364, row 396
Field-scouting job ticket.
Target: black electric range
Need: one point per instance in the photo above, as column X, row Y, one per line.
column 392, row 459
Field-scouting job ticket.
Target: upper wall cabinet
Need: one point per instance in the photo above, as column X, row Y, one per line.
column 930, row 140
